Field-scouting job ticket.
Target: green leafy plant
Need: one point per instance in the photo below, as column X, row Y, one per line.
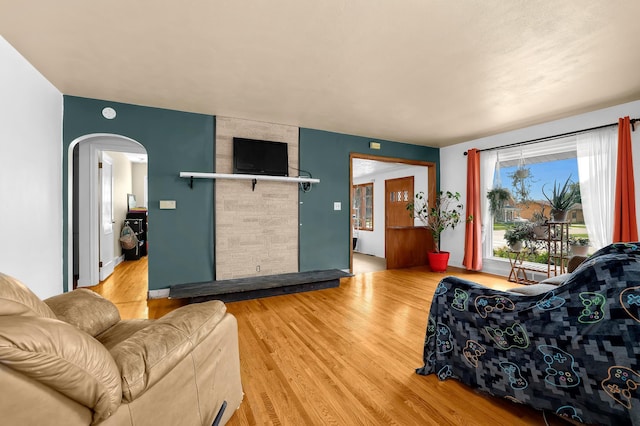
column 521, row 181
column 520, row 232
column 539, row 220
column 563, row 196
column 538, row 217
column 446, row 213
column 578, row 241
column 541, row 257
column 497, row 198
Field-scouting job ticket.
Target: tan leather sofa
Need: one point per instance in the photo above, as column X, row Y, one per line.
column 70, row 360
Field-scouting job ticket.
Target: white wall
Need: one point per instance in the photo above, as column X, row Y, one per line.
column 30, row 175
column 139, row 177
column 372, row 242
column 122, row 185
column 453, row 163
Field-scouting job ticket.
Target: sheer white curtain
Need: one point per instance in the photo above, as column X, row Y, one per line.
column 597, row 153
column 487, row 167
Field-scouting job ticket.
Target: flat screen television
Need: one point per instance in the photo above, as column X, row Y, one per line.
column 258, row 157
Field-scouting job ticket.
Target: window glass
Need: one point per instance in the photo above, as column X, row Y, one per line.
column 527, row 182
column 362, row 209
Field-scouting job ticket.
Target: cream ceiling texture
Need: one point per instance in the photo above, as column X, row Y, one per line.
column 420, row 71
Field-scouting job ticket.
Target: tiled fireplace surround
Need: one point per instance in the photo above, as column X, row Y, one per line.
column 256, row 231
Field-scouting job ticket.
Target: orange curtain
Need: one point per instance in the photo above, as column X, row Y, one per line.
column 625, row 228
column 473, row 232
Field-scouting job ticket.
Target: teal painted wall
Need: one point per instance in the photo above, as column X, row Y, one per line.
column 181, row 241
column 324, row 233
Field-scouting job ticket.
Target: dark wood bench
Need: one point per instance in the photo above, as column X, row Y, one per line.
column 257, row 287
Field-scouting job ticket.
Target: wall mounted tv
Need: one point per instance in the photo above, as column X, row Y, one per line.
column 258, row 157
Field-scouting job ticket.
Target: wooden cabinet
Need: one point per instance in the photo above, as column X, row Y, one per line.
column 407, row 246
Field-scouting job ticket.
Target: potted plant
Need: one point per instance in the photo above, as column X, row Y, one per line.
column 562, row 198
column 497, row 198
column 521, row 181
column 579, row 245
column 539, row 220
column 445, row 213
column 518, row 234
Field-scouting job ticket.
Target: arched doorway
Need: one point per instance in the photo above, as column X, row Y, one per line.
column 85, row 226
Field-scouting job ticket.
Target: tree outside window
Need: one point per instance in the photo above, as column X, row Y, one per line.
column 362, row 210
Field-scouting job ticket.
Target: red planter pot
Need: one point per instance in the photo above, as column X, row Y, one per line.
column 438, row 261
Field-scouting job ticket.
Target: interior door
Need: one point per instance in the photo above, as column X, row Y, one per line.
column 405, row 244
column 107, row 261
column 399, row 192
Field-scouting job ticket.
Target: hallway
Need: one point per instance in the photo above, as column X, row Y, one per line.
column 127, row 288
column 365, row 263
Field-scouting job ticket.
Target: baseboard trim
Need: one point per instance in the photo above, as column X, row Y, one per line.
column 119, row 260
column 162, row 293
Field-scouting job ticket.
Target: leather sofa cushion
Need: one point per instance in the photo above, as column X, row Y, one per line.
column 17, row 299
column 63, row 358
column 149, row 354
column 121, row 331
column 85, row 309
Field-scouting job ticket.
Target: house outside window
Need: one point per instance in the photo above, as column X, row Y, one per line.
column 362, row 209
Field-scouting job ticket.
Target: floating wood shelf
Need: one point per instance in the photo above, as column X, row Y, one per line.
column 253, row 178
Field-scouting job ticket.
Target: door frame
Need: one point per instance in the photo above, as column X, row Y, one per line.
column 89, row 220
column 431, row 185
column 105, row 237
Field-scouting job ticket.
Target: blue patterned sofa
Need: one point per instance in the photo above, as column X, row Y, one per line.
column 573, row 350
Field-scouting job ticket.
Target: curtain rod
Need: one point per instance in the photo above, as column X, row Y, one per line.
column 561, row 135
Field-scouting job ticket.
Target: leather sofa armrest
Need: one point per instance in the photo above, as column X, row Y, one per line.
column 149, row 354
column 85, row 309
column 63, row 358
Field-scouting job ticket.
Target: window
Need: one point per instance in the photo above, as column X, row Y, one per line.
column 528, row 173
column 586, row 162
column 362, row 210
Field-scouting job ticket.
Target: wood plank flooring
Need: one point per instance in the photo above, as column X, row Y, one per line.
column 340, row 356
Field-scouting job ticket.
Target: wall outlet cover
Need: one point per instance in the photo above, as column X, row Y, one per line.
column 337, row 205
column 168, row 204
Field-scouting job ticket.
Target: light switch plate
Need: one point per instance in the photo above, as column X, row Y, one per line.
column 337, row 205
column 167, row 204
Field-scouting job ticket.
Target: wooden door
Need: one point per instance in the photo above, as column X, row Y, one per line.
column 405, row 244
column 398, row 193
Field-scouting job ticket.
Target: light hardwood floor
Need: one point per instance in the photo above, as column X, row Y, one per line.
column 342, row 356
column 363, row 263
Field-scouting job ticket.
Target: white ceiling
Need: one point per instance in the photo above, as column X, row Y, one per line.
column 363, row 168
column 427, row 72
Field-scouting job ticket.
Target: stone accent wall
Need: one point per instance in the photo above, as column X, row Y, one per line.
column 255, row 229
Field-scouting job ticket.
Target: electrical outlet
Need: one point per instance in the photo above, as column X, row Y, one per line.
column 258, row 268
column 337, row 205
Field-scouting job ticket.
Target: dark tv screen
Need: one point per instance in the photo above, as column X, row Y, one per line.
column 258, row 157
